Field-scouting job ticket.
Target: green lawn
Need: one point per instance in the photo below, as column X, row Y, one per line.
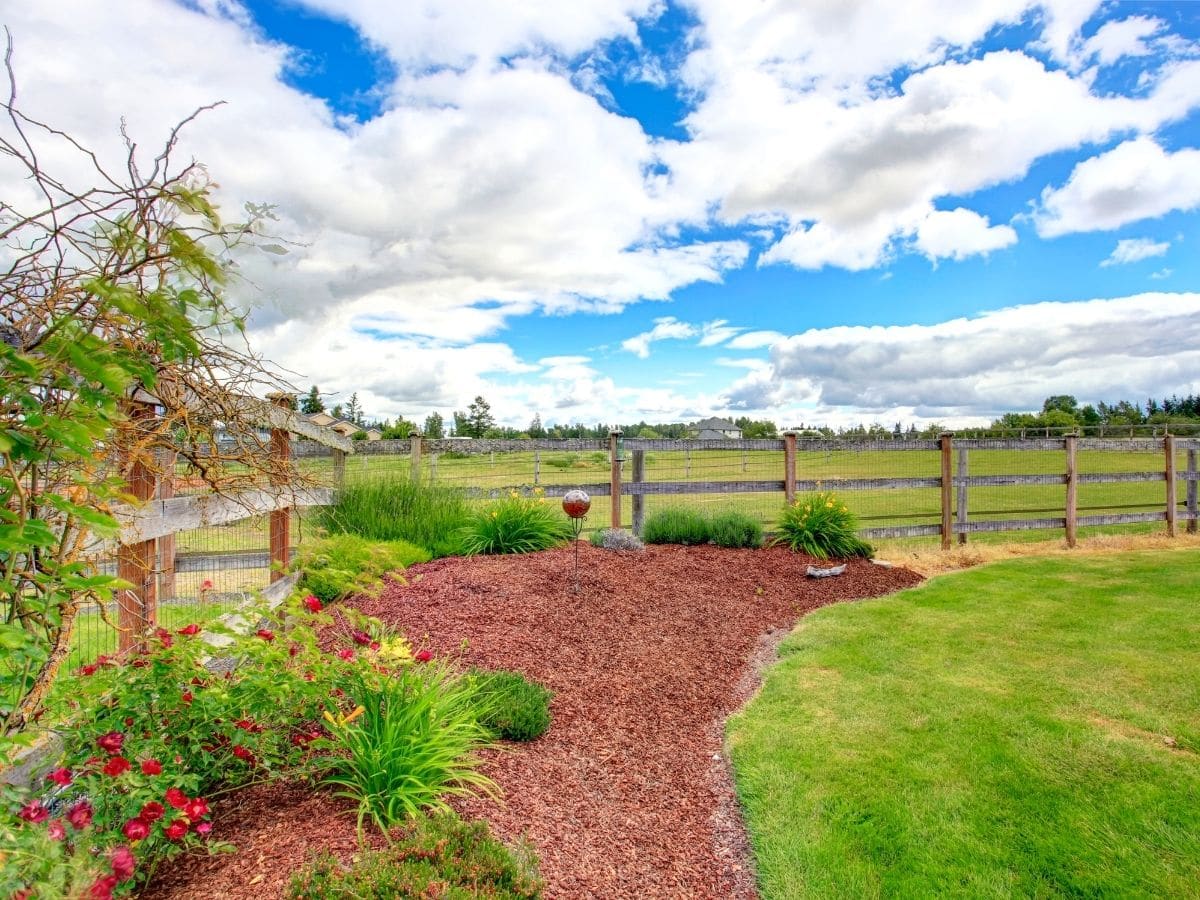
column 1025, row 729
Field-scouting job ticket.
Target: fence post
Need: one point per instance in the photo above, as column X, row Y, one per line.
column 166, row 543
column 537, row 466
column 1069, row 444
column 639, row 505
column 687, row 463
column 1169, row 450
column 135, row 562
column 339, row 469
column 789, row 467
column 614, row 438
column 1191, row 491
column 280, row 519
column 961, row 492
column 947, row 489
column 414, row 445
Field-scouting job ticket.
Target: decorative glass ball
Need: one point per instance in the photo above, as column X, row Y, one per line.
column 576, row 504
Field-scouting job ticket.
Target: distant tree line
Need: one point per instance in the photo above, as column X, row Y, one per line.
column 1062, row 411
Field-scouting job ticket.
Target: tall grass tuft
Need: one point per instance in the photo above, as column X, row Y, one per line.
column 394, row 507
column 338, row 565
column 515, row 524
column 735, row 529
column 821, row 526
column 676, row 525
column 410, row 743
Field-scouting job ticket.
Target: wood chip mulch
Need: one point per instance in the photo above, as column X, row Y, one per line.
column 628, row 794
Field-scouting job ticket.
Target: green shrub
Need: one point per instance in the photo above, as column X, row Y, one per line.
column 566, row 461
column 434, row 856
column 408, row 744
column 396, row 508
column 821, row 526
column 511, row 706
column 515, row 524
column 735, row 529
column 343, row 564
column 675, row 525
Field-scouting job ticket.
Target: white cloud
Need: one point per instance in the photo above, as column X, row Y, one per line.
column 1135, row 180
column 959, row 233
column 665, row 328
column 1161, row 274
column 1131, row 250
column 716, row 332
column 752, row 340
column 1122, row 37
column 998, row 361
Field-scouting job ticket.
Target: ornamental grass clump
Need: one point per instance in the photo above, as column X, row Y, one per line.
column 339, row 565
column 735, row 529
column 408, row 743
column 515, row 524
column 396, row 508
column 511, row 706
column 676, row 525
column 434, row 856
column 821, row 526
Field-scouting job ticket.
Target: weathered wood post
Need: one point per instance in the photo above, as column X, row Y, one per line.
column 280, row 519
column 136, row 606
column 1069, row 443
column 614, row 455
column 789, row 467
column 537, row 467
column 166, row 543
column 960, row 490
column 339, row 469
column 947, row 488
column 1191, row 491
column 687, row 463
column 414, row 455
column 639, row 499
column 1172, row 501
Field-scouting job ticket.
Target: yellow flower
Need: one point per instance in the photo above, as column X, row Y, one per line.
column 829, row 504
column 514, row 494
column 493, row 514
column 343, row 720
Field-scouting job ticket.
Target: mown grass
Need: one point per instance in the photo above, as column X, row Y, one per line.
column 1029, row 728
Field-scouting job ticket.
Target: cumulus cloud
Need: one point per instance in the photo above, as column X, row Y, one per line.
column 959, row 233
column 1120, row 38
column 667, row 327
column 978, row 367
column 1135, row 180
column 1131, row 250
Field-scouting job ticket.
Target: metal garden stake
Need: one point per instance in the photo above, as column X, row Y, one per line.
column 576, row 505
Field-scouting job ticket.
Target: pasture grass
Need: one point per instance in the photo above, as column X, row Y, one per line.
column 1029, row 728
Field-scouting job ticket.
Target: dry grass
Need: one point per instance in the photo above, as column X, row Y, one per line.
column 930, row 561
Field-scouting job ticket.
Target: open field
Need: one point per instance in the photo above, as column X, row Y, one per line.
column 1029, row 728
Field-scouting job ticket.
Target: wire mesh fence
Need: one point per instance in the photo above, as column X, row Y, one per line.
column 894, row 486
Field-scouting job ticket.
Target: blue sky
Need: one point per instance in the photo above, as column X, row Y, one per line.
column 620, row 209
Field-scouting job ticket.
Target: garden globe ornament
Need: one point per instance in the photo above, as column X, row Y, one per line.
column 576, row 504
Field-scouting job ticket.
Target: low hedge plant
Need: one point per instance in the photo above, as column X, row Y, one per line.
column 511, row 706
column 822, row 526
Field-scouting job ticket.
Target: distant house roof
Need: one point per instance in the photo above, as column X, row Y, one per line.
column 716, row 425
column 321, row 418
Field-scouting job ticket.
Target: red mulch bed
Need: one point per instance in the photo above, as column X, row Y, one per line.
column 628, row 794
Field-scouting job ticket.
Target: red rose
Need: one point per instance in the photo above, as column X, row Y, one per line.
column 33, row 811
column 128, row 721
column 123, row 863
column 313, row 604
column 187, row 697
column 375, row 645
column 266, row 634
column 361, row 638
column 176, row 830
column 88, row 670
column 293, row 649
column 56, row 830
column 196, row 809
column 346, row 653
column 244, row 753
column 165, row 636
column 204, row 828
column 245, row 725
column 424, row 656
column 111, row 742
column 176, row 797
column 191, row 629
column 102, row 888
column 151, row 767
column 60, row 776
column 153, row 811
column 136, row 829
column 80, row 815
column 117, row 765
column 206, row 584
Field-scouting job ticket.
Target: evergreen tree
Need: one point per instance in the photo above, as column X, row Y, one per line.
column 434, row 426
column 312, row 402
column 479, row 418
column 535, row 429
column 336, row 412
column 354, row 412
